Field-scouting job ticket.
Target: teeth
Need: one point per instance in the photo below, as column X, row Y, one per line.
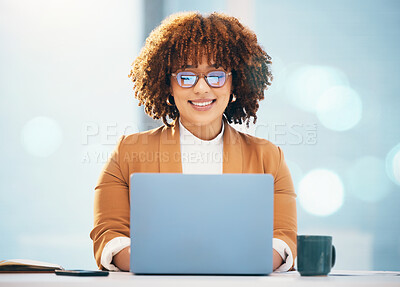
column 202, row 104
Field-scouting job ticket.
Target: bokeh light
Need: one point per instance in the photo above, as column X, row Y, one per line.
column 367, row 179
column 393, row 164
column 339, row 108
column 321, row 192
column 306, row 84
column 41, row 136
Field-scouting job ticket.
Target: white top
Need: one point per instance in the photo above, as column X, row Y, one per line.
column 198, row 157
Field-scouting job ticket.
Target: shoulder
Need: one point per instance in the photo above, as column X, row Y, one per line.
column 257, row 144
column 253, row 140
column 133, row 145
column 150, row 136
column 261, row 152
column 255, row 149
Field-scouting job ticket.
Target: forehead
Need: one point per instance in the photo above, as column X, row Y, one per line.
column 202, row 65
column 200, row 62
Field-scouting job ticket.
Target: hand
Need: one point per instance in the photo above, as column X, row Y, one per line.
column 276, row 260
column 122, row 259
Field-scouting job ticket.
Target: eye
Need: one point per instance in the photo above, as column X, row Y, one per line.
column 186, row 79
column 216, row 78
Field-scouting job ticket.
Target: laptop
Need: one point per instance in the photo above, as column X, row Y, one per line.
column 201, row 224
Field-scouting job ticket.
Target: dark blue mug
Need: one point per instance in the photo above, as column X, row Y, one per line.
column 315, row 255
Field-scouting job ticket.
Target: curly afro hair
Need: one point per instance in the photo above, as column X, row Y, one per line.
column 185, row 37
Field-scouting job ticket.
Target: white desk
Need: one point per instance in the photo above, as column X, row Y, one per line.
column 127, row 279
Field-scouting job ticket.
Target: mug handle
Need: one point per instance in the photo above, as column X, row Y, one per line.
column 333, row 255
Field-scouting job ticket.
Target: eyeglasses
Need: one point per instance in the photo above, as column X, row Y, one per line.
column 215, row 79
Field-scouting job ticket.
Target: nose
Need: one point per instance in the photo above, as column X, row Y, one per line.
column 201, row 86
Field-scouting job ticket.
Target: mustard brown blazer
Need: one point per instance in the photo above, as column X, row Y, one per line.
column 158, row 150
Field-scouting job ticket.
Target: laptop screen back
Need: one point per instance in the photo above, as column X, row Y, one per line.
column 201, row 224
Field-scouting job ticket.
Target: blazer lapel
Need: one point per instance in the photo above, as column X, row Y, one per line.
column 232, row 154
column 170, row 149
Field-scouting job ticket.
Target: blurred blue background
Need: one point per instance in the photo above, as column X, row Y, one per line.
column 65, row 99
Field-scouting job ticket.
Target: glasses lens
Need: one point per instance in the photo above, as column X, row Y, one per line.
column 216, row 78
column 186, row 79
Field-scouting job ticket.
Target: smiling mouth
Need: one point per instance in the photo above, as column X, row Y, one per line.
column 202, row 104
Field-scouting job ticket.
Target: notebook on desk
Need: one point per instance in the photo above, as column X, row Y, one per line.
column 201, row 224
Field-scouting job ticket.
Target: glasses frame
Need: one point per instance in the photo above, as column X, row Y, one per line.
column 203, row 75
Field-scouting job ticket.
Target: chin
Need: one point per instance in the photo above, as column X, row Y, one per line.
column 201, row 121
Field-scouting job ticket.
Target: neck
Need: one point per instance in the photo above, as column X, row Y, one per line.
column 204, row 132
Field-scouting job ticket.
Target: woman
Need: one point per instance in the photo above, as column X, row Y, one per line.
column 201, row 72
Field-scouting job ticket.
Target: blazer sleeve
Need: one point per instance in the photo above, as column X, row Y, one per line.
column 285, row 214
column 111, row 205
